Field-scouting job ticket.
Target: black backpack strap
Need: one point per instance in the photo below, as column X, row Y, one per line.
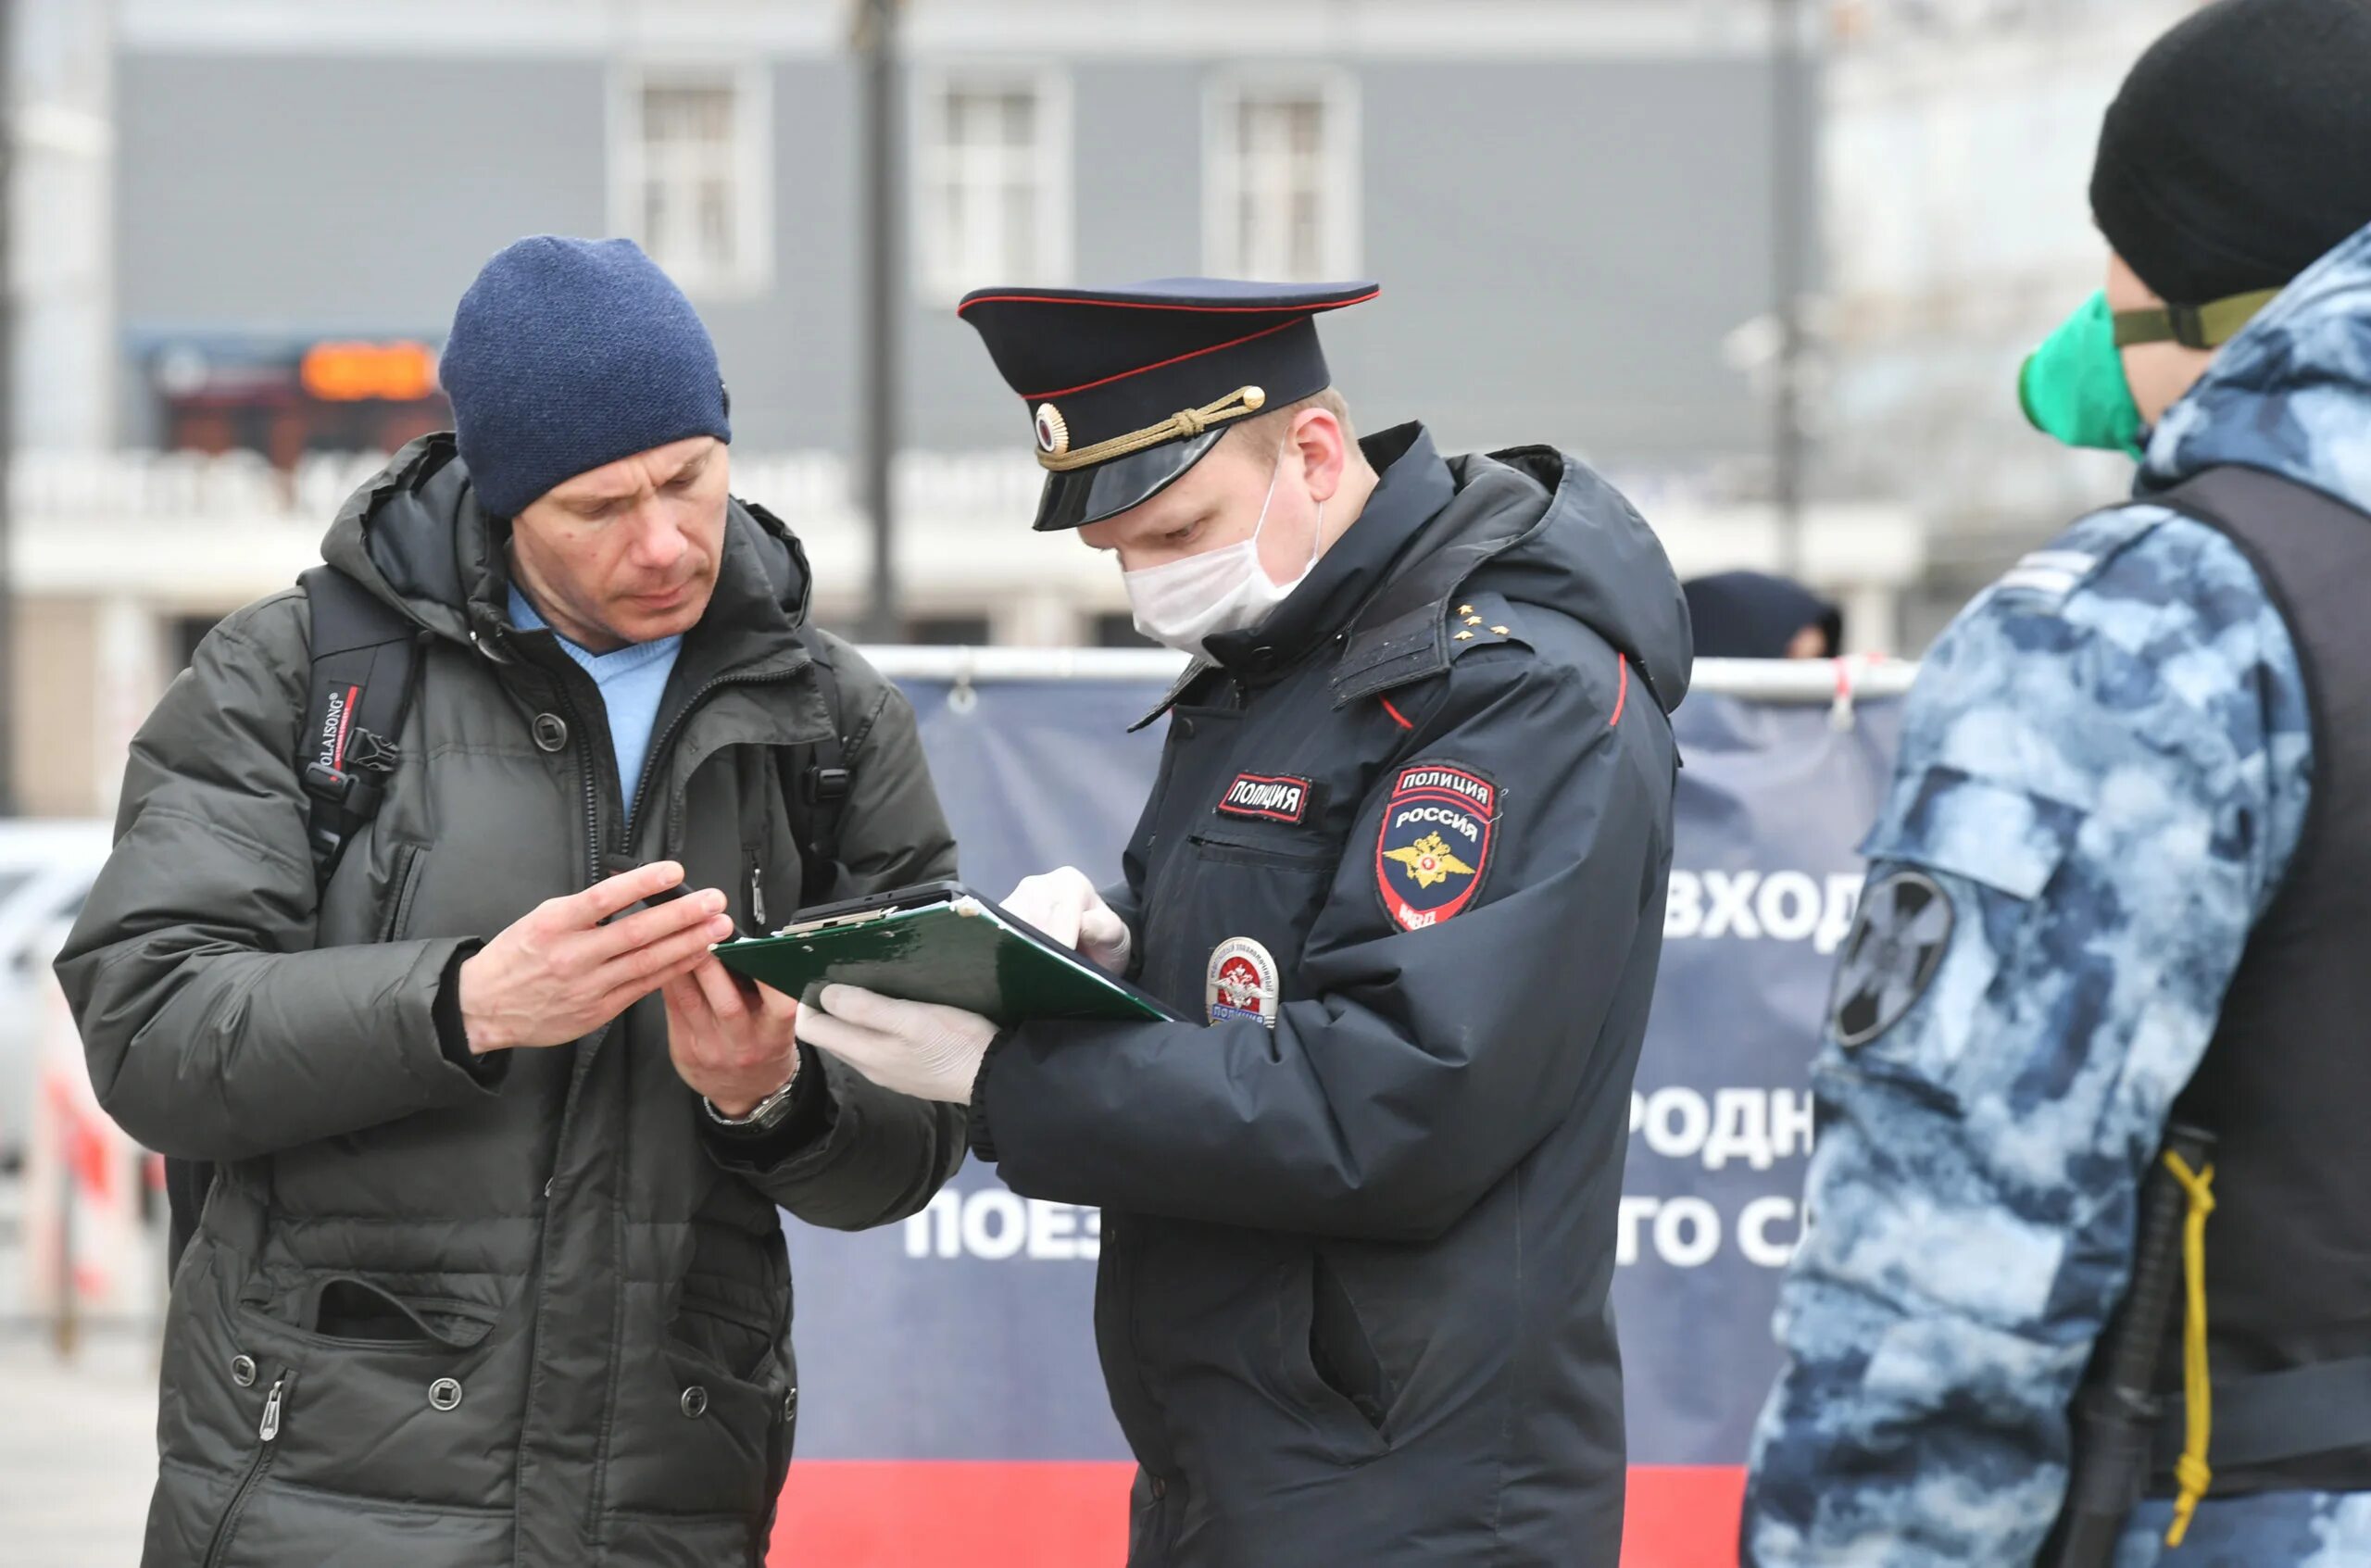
column 364, row 656
column 816, row 784
column 364, row 652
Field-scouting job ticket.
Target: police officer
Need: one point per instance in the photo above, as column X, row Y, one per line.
column 2124, row 883
column 1402, row 876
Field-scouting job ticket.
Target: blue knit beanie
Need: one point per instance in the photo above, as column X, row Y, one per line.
column 569, row 354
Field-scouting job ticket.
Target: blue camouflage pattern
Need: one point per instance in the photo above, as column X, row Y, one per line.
column 2105, row 763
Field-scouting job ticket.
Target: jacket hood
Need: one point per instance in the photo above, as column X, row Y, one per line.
column 2291, row 393
column 415, row 535
column 1588, row 555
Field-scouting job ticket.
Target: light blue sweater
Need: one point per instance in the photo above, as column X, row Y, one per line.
column 632, row 680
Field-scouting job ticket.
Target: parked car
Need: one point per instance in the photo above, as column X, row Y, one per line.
column 46, row 869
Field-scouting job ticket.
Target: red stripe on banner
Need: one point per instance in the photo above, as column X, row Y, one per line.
column 885, row 1513
column 1683, row 1516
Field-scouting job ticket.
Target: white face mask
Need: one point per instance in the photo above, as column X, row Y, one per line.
column 1181, row 603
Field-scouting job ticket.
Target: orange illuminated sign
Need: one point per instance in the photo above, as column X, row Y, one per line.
column 350, row 372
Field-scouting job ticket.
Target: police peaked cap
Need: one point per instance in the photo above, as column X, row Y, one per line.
column 1128, row 388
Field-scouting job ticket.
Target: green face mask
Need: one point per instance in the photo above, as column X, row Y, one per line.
column 2073, row 386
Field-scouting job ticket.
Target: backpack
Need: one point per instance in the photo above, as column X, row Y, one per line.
column 364, row 669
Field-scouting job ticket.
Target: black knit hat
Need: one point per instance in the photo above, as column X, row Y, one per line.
column 2239, row 151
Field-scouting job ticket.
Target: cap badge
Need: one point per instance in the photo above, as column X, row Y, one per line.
column 1053, row 431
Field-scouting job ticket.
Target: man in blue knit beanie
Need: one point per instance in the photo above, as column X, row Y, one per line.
column 491, row 1271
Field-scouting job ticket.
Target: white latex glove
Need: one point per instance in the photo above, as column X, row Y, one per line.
column 1066, row 907
column 915, row 1048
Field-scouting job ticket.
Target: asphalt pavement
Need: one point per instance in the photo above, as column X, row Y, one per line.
column 78, row 1447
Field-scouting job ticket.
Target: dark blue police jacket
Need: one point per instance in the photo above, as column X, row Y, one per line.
column 1403, row 873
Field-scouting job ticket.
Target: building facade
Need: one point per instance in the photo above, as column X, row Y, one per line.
column 1569, row 204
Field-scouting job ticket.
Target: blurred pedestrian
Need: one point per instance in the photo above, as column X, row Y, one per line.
column 2120, row 889
column 1754, row 615
column 1403, row 883
column 491, row 1271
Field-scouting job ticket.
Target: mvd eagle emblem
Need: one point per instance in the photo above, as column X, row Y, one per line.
column 1434, row 843
column 1429, row 860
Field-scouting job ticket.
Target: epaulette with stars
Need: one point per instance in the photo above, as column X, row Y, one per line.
column 1482, row 620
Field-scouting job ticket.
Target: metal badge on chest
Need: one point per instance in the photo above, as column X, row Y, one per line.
column 1244, row 982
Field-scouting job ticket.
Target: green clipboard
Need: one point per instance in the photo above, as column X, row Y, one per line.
column 939, row 942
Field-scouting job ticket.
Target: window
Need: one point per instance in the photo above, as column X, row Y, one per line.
column 1280, row 181
column 991, row 181
column 948, row 630
column 691, row 173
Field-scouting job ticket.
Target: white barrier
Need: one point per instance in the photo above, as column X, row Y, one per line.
column 1757, row 680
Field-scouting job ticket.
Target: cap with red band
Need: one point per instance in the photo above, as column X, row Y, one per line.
column 1128, row 388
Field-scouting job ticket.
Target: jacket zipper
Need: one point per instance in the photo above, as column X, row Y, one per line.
column 268, row 1436
column 588, row 770
column 666, row 738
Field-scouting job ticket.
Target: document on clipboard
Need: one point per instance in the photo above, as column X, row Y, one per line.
column 938, row 942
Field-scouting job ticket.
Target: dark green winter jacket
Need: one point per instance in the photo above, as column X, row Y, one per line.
column 535, row 1317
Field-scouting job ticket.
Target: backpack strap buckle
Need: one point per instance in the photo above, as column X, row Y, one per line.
column 824, row 785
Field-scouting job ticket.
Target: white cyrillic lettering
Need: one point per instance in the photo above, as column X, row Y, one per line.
column 1754, row 1231
column 943, row 1215
column 1683, row 906
column 1627, row 1213
column 1052, row 1230
column 1791, row 1121
column 994, row 1224
column 1740, row 1128
column 1090, row 1245
column 1836, row 916
column 1678, row 1121
column 1730, row 901
column 1688, row 1232
column 1637, row 1111
column 1789, row 905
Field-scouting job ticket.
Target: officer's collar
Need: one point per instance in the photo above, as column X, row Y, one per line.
column 1414, row 485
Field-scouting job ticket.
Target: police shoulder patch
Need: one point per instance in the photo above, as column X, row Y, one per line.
column 1898, row 941
column 1434, row 843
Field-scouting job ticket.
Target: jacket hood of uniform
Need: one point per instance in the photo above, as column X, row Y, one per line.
column 1589, row 556
column 415, row 535
column 2291, row 393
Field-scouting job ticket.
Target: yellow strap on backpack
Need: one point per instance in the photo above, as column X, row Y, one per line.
column 2191, row 1472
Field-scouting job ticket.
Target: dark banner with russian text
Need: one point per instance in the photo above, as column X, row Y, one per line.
column 951, row 1409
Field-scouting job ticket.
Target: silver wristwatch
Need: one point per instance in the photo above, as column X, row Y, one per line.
column 765, row 1115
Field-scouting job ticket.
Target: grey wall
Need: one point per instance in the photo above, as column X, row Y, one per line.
column 340, row 194
column 1562, row 246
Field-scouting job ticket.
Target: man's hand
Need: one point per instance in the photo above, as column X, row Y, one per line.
column 731, row 1041
column 1066, row 907
column 915, row 1048
column 557, row 973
